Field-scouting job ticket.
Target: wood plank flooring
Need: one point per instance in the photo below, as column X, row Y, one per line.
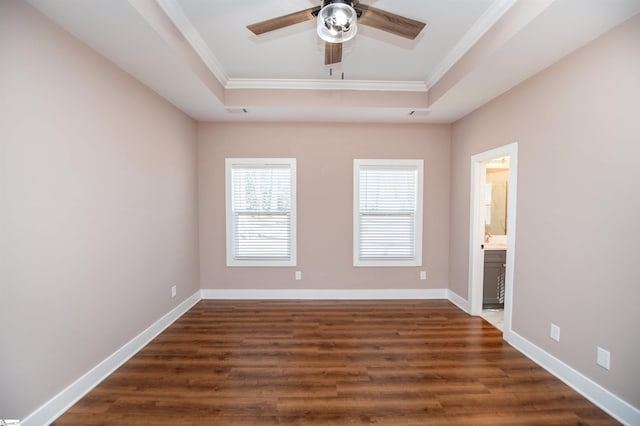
column 331, row 363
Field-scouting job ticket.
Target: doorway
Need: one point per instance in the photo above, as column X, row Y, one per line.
column 479, row 235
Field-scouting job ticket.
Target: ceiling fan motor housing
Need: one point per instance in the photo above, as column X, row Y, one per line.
column 337, row 21
column 328, row 2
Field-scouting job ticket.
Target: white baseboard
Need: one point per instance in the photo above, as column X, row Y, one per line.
column 60, row 403
column 457, row 300
column 607, row 401
column 56, row 406
column 318, row 294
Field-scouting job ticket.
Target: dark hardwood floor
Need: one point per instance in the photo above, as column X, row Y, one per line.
column 331, row 363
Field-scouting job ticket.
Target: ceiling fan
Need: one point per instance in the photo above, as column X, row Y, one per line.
column 338, row 22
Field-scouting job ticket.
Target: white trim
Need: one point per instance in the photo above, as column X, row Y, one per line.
column 458, row 300
column 311, row 84
column 321, row 294
column 471, row 37
column 173, row 10
column 176, row 14
column 476, row 217
column 607, row 401
column 476, row 228
column 56, row 406
column 60, row 403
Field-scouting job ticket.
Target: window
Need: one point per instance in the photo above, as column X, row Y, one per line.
column 387, row 212
column 261, row 211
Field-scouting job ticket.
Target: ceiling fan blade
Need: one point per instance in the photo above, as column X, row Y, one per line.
column 389, row 22
column 284, row 21
column 332, row 53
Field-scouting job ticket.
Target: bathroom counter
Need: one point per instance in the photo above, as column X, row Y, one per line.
column 496, row 242
column 495, row 246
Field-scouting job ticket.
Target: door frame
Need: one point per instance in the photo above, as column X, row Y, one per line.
column 476, row 228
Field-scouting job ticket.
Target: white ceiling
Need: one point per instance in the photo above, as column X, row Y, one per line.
column 199, row 55
column 297, row 51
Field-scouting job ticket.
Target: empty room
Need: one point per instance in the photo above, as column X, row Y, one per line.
column 332, row 212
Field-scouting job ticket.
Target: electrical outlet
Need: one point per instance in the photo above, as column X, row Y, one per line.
column 603, row 358
column 173, row 291
column 423, row 275
column 555, row 332
column 298, row 275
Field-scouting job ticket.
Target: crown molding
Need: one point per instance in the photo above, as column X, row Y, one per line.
column 173, row 10
column 176, row 14
column 308, row 84
column 471, row 37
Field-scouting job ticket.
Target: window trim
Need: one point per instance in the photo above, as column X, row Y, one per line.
column 417, row 261
column 231, row 260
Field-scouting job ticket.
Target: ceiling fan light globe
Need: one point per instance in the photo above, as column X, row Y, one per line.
column 337, row 23
column 340, row 18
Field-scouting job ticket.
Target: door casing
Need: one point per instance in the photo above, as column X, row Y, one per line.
column 476, row 228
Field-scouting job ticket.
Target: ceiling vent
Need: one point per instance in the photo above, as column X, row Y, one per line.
column 237, row 111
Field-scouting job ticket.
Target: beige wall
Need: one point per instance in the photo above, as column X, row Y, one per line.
column 324, row 156
column 99, row 206
column 577, row 125
column 98, row 212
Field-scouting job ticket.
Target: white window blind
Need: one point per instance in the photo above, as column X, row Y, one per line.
column 388, row 219
column 261, row 212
